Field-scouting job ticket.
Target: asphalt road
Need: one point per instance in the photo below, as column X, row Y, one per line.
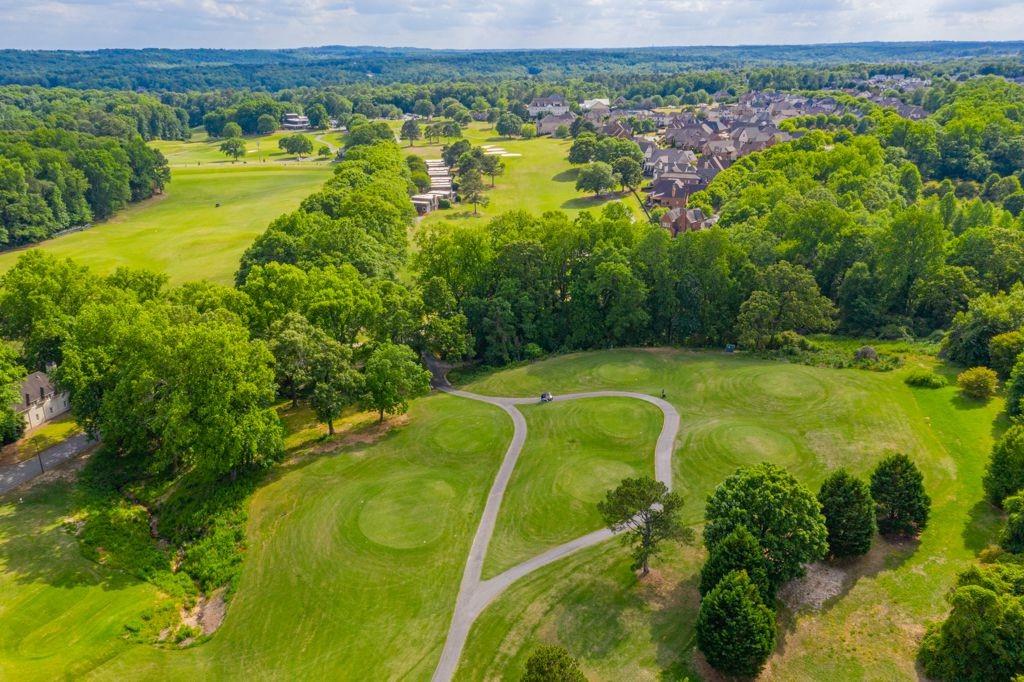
column 13, row 475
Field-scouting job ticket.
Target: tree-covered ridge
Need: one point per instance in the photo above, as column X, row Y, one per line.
column 106, row 113
column 197, row 69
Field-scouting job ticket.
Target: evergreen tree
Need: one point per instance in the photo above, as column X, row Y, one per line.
column 735, row 630
column 849, row 514
column 901, row 504
column 1005, row 474
column 1012, row 537
column 737, row 551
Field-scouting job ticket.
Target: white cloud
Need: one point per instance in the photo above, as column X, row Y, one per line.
column 87, row 24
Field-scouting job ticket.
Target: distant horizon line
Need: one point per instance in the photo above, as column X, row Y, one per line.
column 707, row 46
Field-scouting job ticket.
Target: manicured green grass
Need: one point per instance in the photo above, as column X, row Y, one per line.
column 355, row 557
column 39, row 439
column 574, row 453
column 540, row 180
column 61, row 614
column 354, row 562
column 183, row 233
column 260, row 149
column 739, row 411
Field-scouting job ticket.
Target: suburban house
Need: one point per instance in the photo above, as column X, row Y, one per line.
column 617, row 128
column 40, row 400
column 690, row 136
column 597, row 113
column 552, row 104
column 686, row 220
column 667, row 157
column 550, row 123
column 674, row 191
column 293, row 121
column 589, row 104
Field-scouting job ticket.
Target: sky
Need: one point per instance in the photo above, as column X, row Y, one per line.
column 93, row 24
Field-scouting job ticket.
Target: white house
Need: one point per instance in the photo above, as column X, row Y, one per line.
column 40, row 400
column 553, row 104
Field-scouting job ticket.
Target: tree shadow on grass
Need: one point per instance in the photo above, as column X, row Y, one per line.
column 982, row 525
column 36, row 547
column 962, row 402
column 592, row 622
column 885, row 555
column 568, row 175
column 673, row 628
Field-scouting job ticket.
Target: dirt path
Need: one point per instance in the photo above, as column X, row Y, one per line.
column 475, row 594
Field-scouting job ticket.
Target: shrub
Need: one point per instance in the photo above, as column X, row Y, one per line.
column 737, row 551
column 849, row 514
column 1012, row 537
column 1005, row 473
column 444, row 203
column 552, row 664
column 866, row 353
column 923, row 378
column 735, row 630
column 901, row 504
column 1015, row 388
column 1003, row 350
column 782, row 514
column 982, row 637
column 978, row 383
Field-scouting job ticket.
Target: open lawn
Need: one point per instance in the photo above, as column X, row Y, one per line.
column 183, row 232
column 737, row 411
column 539, row 180
column 574, row 453
column 260, row 149
column 38, row 439
column 355, row 557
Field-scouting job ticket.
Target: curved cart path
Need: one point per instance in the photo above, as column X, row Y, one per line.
column 475, row 594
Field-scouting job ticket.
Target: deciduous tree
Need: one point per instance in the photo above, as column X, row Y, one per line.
column 648, row 512
column 392, row 377
column 779, row 512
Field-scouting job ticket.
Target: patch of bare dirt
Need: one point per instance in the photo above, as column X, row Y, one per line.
column 207, row 614
column 366, row 436
column 821, row 583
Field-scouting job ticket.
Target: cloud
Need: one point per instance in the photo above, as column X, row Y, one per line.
column 89, row 24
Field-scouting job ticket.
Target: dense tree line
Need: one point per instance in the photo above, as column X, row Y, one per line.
column 201, row 69
column 814, row 234
column 52, row 179
column 104, row 113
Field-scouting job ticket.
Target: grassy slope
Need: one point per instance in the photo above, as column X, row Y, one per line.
column 183, row 233
column 738, row 411
column 574, row 452
column 61, row 614
column 540, row 180
column 355, row 559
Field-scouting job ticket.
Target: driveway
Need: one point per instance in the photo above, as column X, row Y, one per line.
column 13, row 475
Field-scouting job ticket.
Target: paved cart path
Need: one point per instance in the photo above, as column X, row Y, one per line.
column 475, row 594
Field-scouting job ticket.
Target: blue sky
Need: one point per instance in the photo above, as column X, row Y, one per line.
column 89, row 24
